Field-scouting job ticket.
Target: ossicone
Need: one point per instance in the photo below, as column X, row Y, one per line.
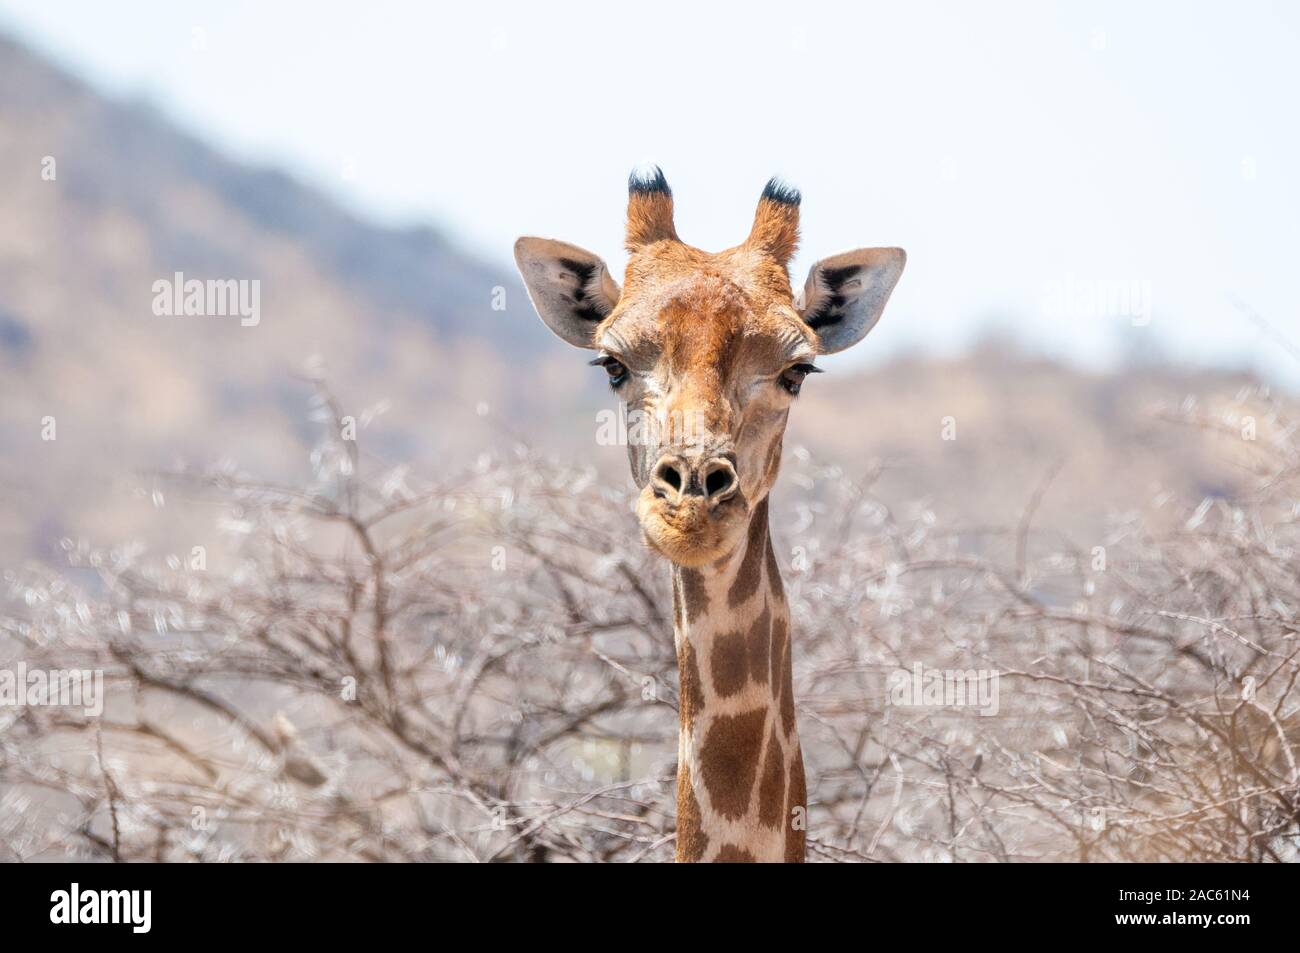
column 649, row 208
column 775, row 232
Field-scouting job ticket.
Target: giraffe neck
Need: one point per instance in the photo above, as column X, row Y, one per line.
column 740, row 780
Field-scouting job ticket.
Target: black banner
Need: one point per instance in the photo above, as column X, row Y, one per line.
column 334, row 903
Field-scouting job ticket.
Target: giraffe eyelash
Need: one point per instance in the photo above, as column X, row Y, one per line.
column 617, row 370
column 792, row 378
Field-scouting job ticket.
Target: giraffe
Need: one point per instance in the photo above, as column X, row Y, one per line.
column 713, row 348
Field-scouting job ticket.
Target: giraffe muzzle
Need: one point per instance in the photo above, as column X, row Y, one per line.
column 692, row 509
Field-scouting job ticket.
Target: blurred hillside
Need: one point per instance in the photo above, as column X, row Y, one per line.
column 402, row 322
column 133, row 201
column 1094, row 445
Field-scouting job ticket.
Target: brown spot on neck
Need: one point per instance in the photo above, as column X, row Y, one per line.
column 759, row 646
column 729, row 760
column 779, row 653
column 730, row 663
column 750, row 573
column 786, row 690
column 796, row 798
column 691, row 693
column 771, row 789
column 740, row 657
column 731, row 854
column 692, row 842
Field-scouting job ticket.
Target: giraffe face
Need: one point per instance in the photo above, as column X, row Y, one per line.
column 708, row 351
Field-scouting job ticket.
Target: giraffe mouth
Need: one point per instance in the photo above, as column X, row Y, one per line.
column 691, row 533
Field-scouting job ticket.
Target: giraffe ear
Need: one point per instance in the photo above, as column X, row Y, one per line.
column 571, row 288
column 846, row 293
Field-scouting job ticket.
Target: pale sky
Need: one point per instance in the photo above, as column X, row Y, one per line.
column 1014, row 149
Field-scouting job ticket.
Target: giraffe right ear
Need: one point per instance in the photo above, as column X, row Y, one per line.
column 846, row 293
column 571, row 288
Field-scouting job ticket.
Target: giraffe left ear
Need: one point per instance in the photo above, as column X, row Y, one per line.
column 570, row 287
column 846, row 293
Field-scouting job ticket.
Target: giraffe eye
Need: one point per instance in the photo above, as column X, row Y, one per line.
column 615, row 369
column 793, row 377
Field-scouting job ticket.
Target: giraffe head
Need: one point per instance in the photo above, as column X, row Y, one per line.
column 708, row 351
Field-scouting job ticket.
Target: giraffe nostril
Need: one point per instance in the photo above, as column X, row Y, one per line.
column 720, row 482
column 669, row 474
